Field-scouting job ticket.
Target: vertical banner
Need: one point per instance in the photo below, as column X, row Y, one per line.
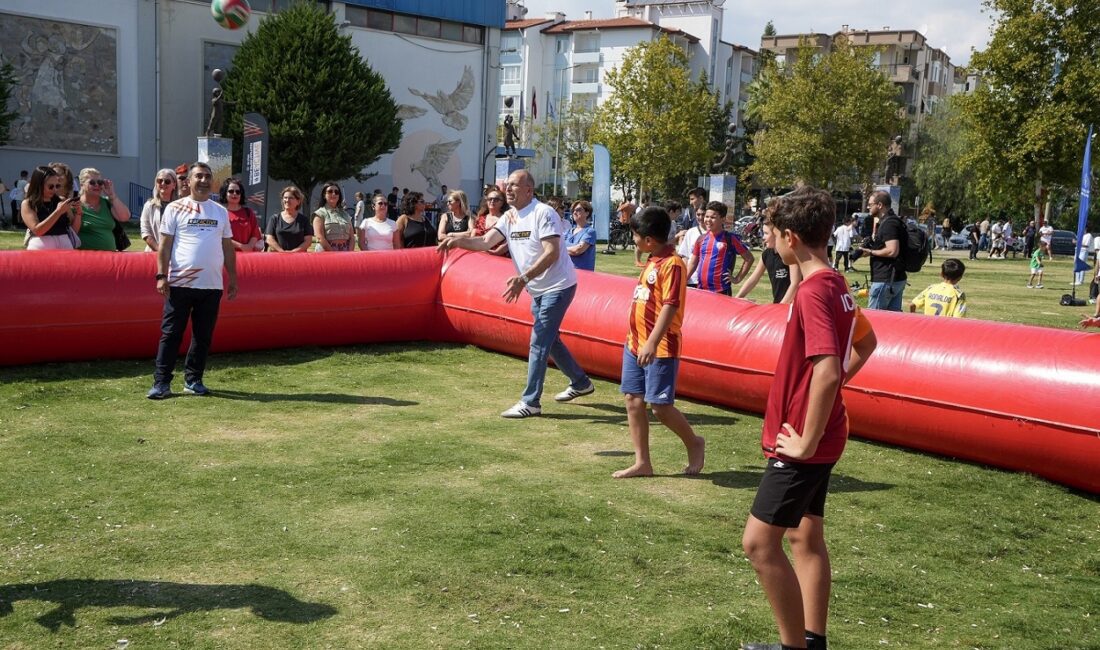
column 601, row 190
column 895, row 196
column 254, row 153
column 1079, row 264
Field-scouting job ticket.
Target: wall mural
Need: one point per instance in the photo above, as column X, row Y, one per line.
column 426, row 160
column 449, row 105
column 67, row 76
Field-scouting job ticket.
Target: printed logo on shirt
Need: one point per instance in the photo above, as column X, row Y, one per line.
column 199, row 221
column 521, row 234
column 651, row 277
column 641, row 293
column 720, row 246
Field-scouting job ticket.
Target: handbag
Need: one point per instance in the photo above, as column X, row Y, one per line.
column 122, row 241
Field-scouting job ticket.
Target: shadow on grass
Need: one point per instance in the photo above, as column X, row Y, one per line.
column 620, row 415
column 128, row 368
column 750, row 479
column 324, row 398
column 171, row 599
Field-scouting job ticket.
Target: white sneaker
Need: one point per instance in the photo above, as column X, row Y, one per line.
column 571, row 393
column 521, row 410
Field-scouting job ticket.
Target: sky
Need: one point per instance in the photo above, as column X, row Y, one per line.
column 954, row 26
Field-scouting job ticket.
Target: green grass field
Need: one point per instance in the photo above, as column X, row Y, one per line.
column 370, row 496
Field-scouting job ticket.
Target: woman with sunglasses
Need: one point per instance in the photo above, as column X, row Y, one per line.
column 242, row 219
column 457, row 219
column 152, row 213
column 379, row 232
column 102, row 210
column 48, row 217
column 332, row 225
column 415, row 230
column 289, row 231
column 493, row 207
column 580, row 240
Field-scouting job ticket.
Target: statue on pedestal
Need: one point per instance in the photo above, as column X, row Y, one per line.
column 895, row 162
column 217, row 107
column 729, row 152
column 510, row 136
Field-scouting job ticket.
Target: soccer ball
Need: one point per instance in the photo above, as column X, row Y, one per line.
column 230, row 14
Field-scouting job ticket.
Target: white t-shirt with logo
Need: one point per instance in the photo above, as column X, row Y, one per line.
column 198, row 228
column 534, row 223
column 687, row 247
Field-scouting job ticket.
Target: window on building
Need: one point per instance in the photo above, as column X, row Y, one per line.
column 509, row 74
column 379, row 20
column 472, row 34
column 586, row 43
column 404, row 24
column 428, row 27
column 562, row 44
column 451, row 31
column 586, row 74
column 509, row 42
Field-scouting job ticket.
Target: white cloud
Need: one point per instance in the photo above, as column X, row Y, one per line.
column 954, row 26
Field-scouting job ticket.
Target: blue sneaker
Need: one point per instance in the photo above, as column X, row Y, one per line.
column 160, row 391
column 196, row 388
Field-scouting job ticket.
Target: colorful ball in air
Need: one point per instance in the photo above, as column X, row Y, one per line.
column 231, row 14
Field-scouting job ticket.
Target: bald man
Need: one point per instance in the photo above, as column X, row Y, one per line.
column 534, row 233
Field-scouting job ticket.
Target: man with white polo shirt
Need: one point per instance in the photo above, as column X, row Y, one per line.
column 195, row 242
column 534, row 232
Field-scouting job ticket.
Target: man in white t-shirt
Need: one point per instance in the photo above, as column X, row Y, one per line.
column 534, row 235
column 843, row 236
column 686, row 242
column 195, row 242
column 1046, row 235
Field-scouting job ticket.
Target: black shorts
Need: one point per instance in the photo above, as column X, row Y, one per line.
column 788, row 491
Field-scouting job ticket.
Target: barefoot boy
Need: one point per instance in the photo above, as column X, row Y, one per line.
column 652, row 352
column 805, row 424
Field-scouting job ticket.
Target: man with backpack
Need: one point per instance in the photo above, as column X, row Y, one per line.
column 885, row 250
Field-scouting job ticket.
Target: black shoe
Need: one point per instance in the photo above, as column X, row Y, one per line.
column 761, row 646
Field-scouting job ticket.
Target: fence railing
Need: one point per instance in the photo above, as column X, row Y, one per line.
column 139, row 194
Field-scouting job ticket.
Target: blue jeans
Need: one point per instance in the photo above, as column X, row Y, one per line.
column 886, row 295
column 549, row 311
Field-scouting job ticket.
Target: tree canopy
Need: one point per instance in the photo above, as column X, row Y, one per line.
column 653, row 122
column 1040, row 89
column 329, row 113
column 938, row 168
column 824, row 119
column 566, row 137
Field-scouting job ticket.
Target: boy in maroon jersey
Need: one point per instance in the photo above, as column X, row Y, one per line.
column 826, row 342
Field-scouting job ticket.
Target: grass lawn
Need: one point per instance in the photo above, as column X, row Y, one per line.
column 370, row 496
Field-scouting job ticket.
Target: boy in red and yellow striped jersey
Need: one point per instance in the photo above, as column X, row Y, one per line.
column 651, row 355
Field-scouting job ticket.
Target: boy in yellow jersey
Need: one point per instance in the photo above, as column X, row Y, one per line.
column 651, row 355
column 943, row 298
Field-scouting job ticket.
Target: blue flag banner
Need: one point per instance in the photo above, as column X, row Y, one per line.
column 1079, row 264
column 601, row 190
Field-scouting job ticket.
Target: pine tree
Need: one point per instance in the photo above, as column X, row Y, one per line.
column 330, row 114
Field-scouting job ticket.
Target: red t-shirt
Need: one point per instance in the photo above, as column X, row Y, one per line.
column 244, row 225
column 821, row 321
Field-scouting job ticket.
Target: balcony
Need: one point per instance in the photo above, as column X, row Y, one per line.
column 580, row 58
column 898, row 73
column 584, row 88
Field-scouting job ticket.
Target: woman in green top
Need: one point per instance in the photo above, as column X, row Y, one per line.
column 332, row 226
column 101, row 210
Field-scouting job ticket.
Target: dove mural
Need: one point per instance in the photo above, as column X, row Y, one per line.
column 432, row 163
column 407, row 112
column 449, row 105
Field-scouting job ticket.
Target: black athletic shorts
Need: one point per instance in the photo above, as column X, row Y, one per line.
column 789, row 491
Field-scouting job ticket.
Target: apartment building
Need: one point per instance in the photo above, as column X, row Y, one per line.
column 549, row 62
column 924, row 74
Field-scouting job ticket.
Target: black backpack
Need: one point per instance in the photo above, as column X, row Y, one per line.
column 915, row 247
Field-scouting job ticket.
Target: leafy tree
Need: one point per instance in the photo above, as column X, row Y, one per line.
column 825, row 119
column 651, row 122
column 567, row 138
column 1040, row 83
column 330, row 114
column 939, row 167
column 7, row 87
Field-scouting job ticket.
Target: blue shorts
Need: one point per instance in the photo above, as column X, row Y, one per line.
column 657, row 381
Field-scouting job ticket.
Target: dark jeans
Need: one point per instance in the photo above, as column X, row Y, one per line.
column 201, row 307
column 842, row 255
column 16, row 218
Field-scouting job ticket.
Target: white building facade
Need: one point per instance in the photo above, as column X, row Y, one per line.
column 124, row 85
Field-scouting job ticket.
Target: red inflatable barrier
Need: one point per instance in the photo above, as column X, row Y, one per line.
column 1012, row 396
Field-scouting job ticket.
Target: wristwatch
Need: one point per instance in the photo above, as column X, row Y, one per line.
column 523, row 276
column 161, row 276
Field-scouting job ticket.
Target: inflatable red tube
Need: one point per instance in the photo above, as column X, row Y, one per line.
column 1012, row 396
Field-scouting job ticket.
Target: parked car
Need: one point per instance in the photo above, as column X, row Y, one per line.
column 1063, row 242
column 960, row 240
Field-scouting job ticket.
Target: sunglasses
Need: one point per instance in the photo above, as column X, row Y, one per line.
column 54, row 187
column 232, row 191
column 97, row 182
column 165, row 181
column 495, row 199
column 332, row 190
